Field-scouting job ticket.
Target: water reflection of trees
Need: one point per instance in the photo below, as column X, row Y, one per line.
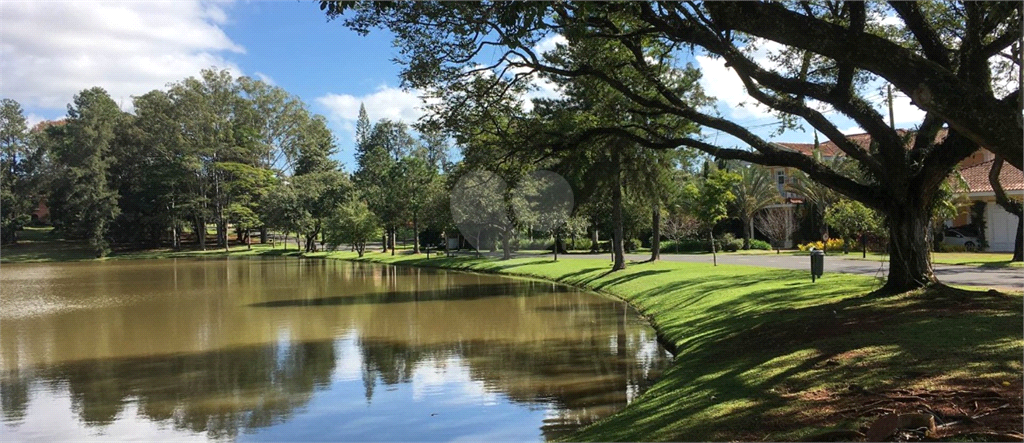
column 584, row 382
column 220, row 393
column 221, row 369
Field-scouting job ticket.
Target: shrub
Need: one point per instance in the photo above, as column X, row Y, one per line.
column 760, row 244
column 833, row 245
column 811, row 245
column 582, row 244
column 729, row 243
column 686, row 245
column 536, row 244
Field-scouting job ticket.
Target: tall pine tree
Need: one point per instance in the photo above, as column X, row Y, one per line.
column 89, row 203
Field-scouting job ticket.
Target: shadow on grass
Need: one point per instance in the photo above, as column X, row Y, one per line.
column 754, row 347
column 997, row 265
column 741, row 361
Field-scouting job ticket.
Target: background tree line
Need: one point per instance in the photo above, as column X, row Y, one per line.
column 241, row 154
column 213, row 149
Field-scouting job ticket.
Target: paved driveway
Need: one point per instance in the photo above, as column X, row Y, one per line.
column 1008, row 278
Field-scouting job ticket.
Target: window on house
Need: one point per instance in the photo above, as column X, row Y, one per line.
column 780, row 177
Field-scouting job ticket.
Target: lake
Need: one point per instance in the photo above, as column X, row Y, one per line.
column 290, row 349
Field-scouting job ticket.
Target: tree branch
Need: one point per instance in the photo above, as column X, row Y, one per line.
column 1012, row 206
column 932, row 87
column 930, row 42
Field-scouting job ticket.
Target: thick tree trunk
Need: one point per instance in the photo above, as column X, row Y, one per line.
column 394, row 233
column 714, row 252
column 594, row 246
column 415, row 235
column 656, row 234
column 910, row 265
column 263, row 235
column 222, row 234
column 506, row 251
column 200, row 230
column 384, row 241
column 617, row 241
column 748, row 232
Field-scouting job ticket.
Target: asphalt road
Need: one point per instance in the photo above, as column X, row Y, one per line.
column 1006, row 278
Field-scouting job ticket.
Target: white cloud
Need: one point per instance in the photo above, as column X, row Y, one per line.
column 539, row 87
column 544, row 88
column 264, row 78
column 722, row 83
column 549, row 43
column 386, row 102
column 32, row 119
column 51, row 51
column 903, row 110
column 853, row 130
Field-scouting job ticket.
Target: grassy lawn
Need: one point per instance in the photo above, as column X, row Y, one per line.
column 767, row 355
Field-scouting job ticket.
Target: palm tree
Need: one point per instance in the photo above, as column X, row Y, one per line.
column 754, row 192
column 819, row 195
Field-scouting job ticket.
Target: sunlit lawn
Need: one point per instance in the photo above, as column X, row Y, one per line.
column 766, row 354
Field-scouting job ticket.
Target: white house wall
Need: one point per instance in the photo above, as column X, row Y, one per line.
column 1000, row 228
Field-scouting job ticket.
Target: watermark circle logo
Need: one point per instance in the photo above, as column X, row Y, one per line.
column 478, row 205
column 485, row 210
column 543, row 200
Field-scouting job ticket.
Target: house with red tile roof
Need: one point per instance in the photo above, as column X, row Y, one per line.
column 1000, row 226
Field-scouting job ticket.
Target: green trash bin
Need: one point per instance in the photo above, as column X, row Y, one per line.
column 817, row 263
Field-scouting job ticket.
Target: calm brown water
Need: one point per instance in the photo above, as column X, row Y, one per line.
column 293, row 349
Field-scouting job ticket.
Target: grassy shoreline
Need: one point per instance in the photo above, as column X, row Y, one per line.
column 764, row 354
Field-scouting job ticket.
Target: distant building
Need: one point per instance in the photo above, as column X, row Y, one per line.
column 1000, row 229
column 42, row 212
column 1000, row 226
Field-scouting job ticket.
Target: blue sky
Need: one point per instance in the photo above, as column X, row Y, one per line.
column 49, row 51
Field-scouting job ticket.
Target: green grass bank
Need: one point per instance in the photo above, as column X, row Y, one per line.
column 764, row 354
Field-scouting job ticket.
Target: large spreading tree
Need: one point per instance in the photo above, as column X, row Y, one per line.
column 956, row 60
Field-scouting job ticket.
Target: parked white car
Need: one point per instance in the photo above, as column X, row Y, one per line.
column 959, row 238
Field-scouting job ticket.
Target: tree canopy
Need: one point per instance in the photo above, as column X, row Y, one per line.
column 955, row 60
